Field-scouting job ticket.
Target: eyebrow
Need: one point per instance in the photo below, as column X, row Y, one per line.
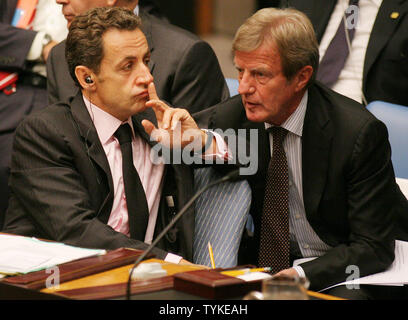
column 128, row 58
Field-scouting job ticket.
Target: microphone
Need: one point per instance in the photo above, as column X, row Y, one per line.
column 231, row 176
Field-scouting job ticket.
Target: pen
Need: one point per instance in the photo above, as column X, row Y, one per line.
column 239, row 272
column 210, row 251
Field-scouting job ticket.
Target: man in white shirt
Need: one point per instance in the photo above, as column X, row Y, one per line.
column 377, row 64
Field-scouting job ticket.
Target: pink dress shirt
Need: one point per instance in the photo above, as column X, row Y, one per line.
column 151, row 175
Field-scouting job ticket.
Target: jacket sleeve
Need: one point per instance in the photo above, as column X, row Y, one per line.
column 50, row 191
column 372, row 204
column 15, row 43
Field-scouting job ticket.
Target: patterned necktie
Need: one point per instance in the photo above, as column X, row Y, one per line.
column 337, row 52
column 138, row 210
column 274, row 241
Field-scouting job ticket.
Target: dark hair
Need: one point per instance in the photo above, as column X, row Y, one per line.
column 84, row 45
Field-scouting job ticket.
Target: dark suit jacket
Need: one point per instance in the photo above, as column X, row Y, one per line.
column 15, row 44
column 185, row 69
column 61, row 185
column 349, row 189
column 385, row 73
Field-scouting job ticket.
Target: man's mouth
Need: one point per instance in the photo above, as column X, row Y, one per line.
column 251, row 104
column 143, row 95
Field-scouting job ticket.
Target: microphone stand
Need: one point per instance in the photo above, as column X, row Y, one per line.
column 230, row 176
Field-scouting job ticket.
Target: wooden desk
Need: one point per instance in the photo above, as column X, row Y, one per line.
column 112, row 284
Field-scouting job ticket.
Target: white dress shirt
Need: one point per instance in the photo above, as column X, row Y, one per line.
column 350, row 82
column 301, row 232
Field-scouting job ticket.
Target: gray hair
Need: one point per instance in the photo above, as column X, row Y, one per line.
column 289, row 29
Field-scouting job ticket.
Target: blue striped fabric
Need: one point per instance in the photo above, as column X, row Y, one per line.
column 221, row 214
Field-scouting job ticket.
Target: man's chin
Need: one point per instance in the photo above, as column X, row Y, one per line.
column 254, row 116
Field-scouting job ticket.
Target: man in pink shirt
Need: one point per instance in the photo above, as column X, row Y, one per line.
column 68, row 176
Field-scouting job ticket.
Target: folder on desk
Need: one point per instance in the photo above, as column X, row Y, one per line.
column 78, row 268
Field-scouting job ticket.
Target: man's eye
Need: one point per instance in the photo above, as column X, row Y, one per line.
column 128, row 66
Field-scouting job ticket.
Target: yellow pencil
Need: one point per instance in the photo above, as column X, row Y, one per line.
column 210, row 251
column 323, row 296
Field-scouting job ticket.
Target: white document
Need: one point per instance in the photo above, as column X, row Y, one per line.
column 22, row 254
column 252, row 276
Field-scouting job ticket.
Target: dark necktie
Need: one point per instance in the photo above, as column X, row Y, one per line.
column 337, row 52
column 274, row 241
column 138, row 210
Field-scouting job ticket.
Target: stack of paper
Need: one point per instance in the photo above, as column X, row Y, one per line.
column 23, row 255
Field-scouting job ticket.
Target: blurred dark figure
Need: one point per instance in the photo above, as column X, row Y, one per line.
column 153, row 8
column 268, row 3
column 178, row 12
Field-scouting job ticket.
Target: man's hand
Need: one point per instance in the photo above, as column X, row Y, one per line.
column 176, row 127
column 291, row 273
column 47, row 49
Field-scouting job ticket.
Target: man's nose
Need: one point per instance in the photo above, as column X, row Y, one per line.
column 145, row 76
column 246, row 84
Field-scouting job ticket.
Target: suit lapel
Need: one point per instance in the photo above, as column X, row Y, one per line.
column 137, row 119
column 94, row 148
column 322, row 11
column 147, row 30
column 382, row 30
column 316, row 143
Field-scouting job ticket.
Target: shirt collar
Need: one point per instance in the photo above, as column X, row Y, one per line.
column 136, row 10
column 105, row 124
column 295, row 121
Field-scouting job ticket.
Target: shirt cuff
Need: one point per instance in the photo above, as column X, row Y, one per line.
column 300, row 271
column 173, row 258
column 222, row 148
column 36, row 47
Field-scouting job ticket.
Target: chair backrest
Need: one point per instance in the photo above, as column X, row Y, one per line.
column 233, row 85
column 395, row 118
column 221, row 215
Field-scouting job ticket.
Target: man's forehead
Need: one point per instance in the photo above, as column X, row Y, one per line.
column 256, row 58
column 115, row 39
